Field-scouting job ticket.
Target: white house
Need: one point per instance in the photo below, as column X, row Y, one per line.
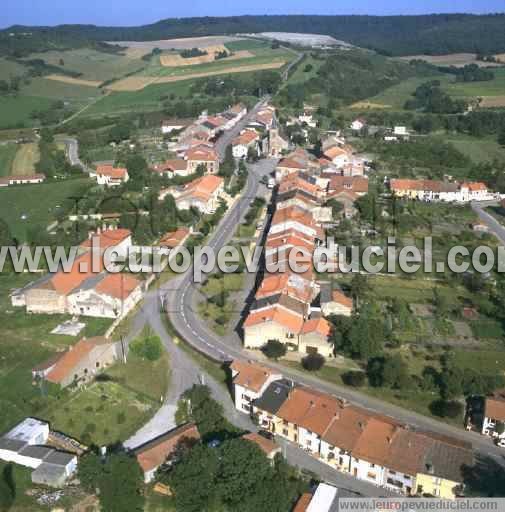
column 358, row 124
column 249, row 383
column 113, row 296
column 169, row 127
column 111, row 176
column 246, row 140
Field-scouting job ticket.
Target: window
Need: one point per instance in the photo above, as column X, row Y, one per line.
column 371, row 476
column 406, row 476
column 285, row 431
column 309, row 442
column 419, row 489
column 391, row 472
column 97, row 364
column 372, row 465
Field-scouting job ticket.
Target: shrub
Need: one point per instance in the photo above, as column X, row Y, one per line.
column 274, row 349
column 121, row 418
column 149, row 348
column 313, row 362
column 446, row 409
column 355, row 379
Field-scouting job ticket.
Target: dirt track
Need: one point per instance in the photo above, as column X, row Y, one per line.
column 136, row 83
column 73, row 81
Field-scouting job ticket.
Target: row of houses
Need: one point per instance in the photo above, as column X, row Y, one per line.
column 443, row 191
column 28, row 179
column 86, row 288
column 350, row 439
column 289, row 306
column 29, row 444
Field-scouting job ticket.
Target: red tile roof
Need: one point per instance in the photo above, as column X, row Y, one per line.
column 268, row 447
column 250, row 376
column 317, row 325
column 245, row 138
column 155, row 453
column 495, row 406
column 202, row 154
column 107, row 238
column 119, row 286
column 276, row 314
column 110, row 170
column 174, row 238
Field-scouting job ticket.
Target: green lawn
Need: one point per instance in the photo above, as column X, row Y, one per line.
column 16, row 110
column 25, row 341
column 21, row 478
column 7, row 154
column 112, row 410
column 38, row 203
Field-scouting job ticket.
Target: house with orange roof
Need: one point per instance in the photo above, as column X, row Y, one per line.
column 334, row 302
column 111, row 176
column 82, row 362
column 434, row 191
column 494, row 414
column 204, row 193
column 339, row 156
column 113, row 238
column 288, row 283
column 357, row 185
column 294, row 217
column 288, row 166
column 158, row 452
column 174, row 239
column 268, row 447
column 244, row 142
column 313, row 338
column 249, row 383
column 171, row 168
column 272, row 323
column 276, row 144
column 202, row 155
column 106, row 296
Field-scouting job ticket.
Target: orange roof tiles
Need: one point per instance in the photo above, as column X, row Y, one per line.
column 69, row 360
column 204, row 187
column 251, row 376
column 113, row 172
column 245, row 138
column 174, row 238
column 276, row 314
column 290, row 284
column 267, row 446
column 64, row 282
column 293, row 213
column 318, row 325
column 119, row 286
column 341, row 298
column 202, row 154
column 356, row 184
column 175, row 164
column 303, row 503
column 290, row 163
column 155, row 453
column 335, row 152
column 107, row 238
column 309, row 409
column 495, row 406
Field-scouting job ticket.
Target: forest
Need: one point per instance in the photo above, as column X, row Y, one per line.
column 434, row 34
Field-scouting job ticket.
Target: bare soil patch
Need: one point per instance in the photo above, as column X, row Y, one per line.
column 175, row 60
column 492, row 101
column 24, row 162
column 73, row 81
column 184, row 43
column 452, row 59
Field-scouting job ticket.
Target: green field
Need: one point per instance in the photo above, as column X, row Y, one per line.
column 480, row 150
column 16, row 110
column 262, row 56
column 10, row 69
column 300, row 76
column 247, row 44
column 396, row 96
column 59, row 90
column 7, row 154
column 93, row 65
column 146, row 99
column 38, row 202
column 110, row 411
column 494, row 87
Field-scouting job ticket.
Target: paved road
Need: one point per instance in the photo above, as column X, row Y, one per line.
column 494, row 226
column 72, row 148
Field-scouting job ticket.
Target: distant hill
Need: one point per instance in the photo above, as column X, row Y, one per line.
column 434, row 34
